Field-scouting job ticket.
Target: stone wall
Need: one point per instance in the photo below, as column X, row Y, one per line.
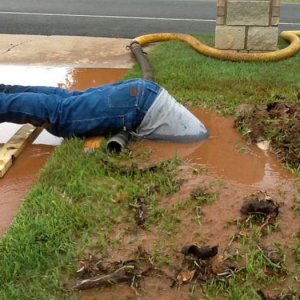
column 247, row 26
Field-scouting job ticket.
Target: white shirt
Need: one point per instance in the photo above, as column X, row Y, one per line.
column 166, row 119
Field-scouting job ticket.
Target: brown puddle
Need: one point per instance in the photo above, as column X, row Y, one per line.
column 235, row 169
column 15, row 184
column 17, row 181
column 232, row 169
column 224, row 152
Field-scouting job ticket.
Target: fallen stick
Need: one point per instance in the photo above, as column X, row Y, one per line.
column 104, row 280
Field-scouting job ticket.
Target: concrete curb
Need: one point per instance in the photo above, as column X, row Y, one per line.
column 72, row 51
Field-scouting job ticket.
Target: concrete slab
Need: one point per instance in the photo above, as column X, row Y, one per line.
column 65, row 51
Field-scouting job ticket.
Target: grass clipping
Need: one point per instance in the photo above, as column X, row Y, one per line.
column 277, row 122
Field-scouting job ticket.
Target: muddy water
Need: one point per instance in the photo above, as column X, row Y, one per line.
column 25, row 170
column 225, row 153
column 236, row 170
column 17, row 181
column 226, row 165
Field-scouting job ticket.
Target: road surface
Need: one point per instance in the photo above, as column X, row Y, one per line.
column 118, row 18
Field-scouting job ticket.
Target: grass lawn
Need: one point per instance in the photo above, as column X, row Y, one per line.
column 84, row 204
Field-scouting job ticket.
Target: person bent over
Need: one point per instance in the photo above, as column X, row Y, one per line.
column 138, row 106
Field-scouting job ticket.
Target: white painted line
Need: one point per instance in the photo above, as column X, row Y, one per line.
column 284, row 23
column 119, row 17
column 107, row 17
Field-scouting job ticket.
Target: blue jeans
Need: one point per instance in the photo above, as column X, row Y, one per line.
column 95, row 111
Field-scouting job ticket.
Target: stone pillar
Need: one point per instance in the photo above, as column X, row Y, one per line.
column 247, row 26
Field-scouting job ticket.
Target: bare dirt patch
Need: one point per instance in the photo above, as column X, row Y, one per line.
column 278, row 122
column 216, row 178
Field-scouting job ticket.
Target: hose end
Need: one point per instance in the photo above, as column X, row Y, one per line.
column 118, row 142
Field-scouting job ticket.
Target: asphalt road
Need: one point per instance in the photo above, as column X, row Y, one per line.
column 118, row 18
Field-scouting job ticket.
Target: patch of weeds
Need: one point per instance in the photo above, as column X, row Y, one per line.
column 262, row 265
column 160, row 254
column 255, row 227
column 201, row 196
column 166, row 220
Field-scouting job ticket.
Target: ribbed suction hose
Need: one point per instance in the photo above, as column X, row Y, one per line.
column 291, row 36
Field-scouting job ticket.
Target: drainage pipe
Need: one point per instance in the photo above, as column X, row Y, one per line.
column 118, row 142
column 142, row 60
column 291, row 36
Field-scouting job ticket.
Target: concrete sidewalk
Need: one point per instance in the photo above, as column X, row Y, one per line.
column 65, row 51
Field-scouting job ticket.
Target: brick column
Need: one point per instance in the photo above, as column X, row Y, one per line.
column 247, row 26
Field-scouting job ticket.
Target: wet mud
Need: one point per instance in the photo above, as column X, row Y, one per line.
column 15, row 184
column 279, row 123
column 227, row 170
column 20, row 177
column 225, row 153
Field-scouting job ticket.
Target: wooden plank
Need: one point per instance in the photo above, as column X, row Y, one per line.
column 13, row 148
column 92, row 143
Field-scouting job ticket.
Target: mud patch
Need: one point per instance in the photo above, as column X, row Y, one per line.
column 225, row 153
column 277, row 122
column 216, row 176
column 15, row 184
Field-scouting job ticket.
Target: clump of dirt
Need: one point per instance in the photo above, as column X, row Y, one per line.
column 278, row 122
column 260, row 204
column 259, row 208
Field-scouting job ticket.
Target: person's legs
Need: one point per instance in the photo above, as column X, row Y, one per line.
column 33, row 108
column 106, row 109
column 15, row 89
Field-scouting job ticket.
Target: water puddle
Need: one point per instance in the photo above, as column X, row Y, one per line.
column 226, row 165
column 234, row 170
column 21, row 176
column 15, row 184
column 225, row 153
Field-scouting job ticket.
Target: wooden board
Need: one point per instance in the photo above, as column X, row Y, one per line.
column 13, row 148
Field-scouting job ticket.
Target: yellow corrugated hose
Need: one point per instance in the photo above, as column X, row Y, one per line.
column 291, row 36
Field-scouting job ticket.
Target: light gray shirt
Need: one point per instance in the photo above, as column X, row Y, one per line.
column 167, row 119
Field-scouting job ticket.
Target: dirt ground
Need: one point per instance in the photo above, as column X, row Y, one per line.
column 279, row 123
column 217, row 176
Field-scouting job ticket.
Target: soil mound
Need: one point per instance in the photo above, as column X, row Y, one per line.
column 277, row 122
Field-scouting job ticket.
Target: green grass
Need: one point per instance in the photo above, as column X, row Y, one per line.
column 71, row 208
column 81, row 201
column 221, row 84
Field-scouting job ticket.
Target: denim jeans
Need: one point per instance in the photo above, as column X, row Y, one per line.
column 95, row 111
